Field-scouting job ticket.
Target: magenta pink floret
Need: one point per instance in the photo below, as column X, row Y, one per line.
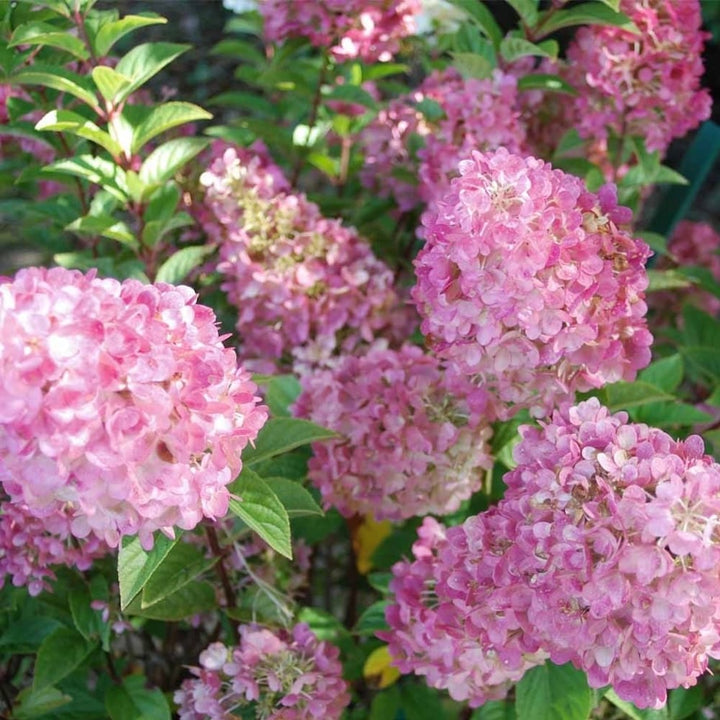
column 531, row 283
column 603, row 553
column 369, row 30
column 118, row 404
column 280, row 675
column 413, row 439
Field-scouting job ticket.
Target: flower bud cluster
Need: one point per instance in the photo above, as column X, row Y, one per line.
column 306, row 287
column 413, row 439
column 279, row 675
column 531, row 283
column 644, row 83
column 369, row 30
column 603, row 553
column 119, row 406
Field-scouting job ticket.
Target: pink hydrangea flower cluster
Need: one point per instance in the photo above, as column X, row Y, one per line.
column 411, row 158
column 306, row 287
column 118, row 404
column 366, row 29
column 645, row 84
column 413, row 439
column 531, row 283
column 281, row 675
column 603, row 553
column 31, row 546
column 692, row 243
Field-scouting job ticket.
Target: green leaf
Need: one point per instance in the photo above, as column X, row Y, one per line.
column 656, row 242
column 484, row 19
column 168, row 158
column 472, row 65
column 420, row 702
column 382, row 70
column 553, row 692
column 279, row 435
column 71, row 122
column 144, row 61
column 177, row 267
column 163, row 205
column 96, row 170
column 666, row 374
column 59, row 79
column 295, row 498
column 31, row 703
column 372, row 619
column 58, row 656
column 683, row 702
column 133, row 701
column 624, row 396
column 261, row 510
column 136, row 566
column 352, row 94
column 87, row 621
column 110, row 32
column 666, row 280
column 103, row 226
column 553, row 83
column 164, row 117
column 699, row 327
column 41, row 33
column 495, row 710
column 636, row 713
column 386, row 704
column 27, row 634
column 281, row 391
column 512, row 48
column 191, row 599
column 109, row 82
column 179, row 567
column 155, row 230
column 527, row 10
column 670, row 414
column 588, row 13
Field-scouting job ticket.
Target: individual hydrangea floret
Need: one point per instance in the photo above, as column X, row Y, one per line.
column 645, row 84
column 306, row 287
column 413, row 147
column 531, row 283
column 276, row 675
column 30, row 547
column 413, row 439
column 603, row 553
column 369, row 30
column 118, row 404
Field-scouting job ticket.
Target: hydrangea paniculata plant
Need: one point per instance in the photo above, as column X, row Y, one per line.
column 369, row 30
column 531, row 283
column 306, row 287
column 118, row 404
column 644, row 83
column 602, row 553
column 282, row 675
column 413, row 438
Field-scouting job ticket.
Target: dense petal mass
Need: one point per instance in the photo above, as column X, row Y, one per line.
column 603, row 552
column 306, row 287
column 413, row 440
column 276, row 675
column 366, row 29
column 119, row 404
column 644, row 83
column 531, row 283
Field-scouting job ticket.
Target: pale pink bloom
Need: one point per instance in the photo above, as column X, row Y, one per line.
column 280, row 675
column 118, row 404
column 413, row 438
column 603, row 553
column 645, row 84
column 306, row 288
column 369, row 30
column 532, row 284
